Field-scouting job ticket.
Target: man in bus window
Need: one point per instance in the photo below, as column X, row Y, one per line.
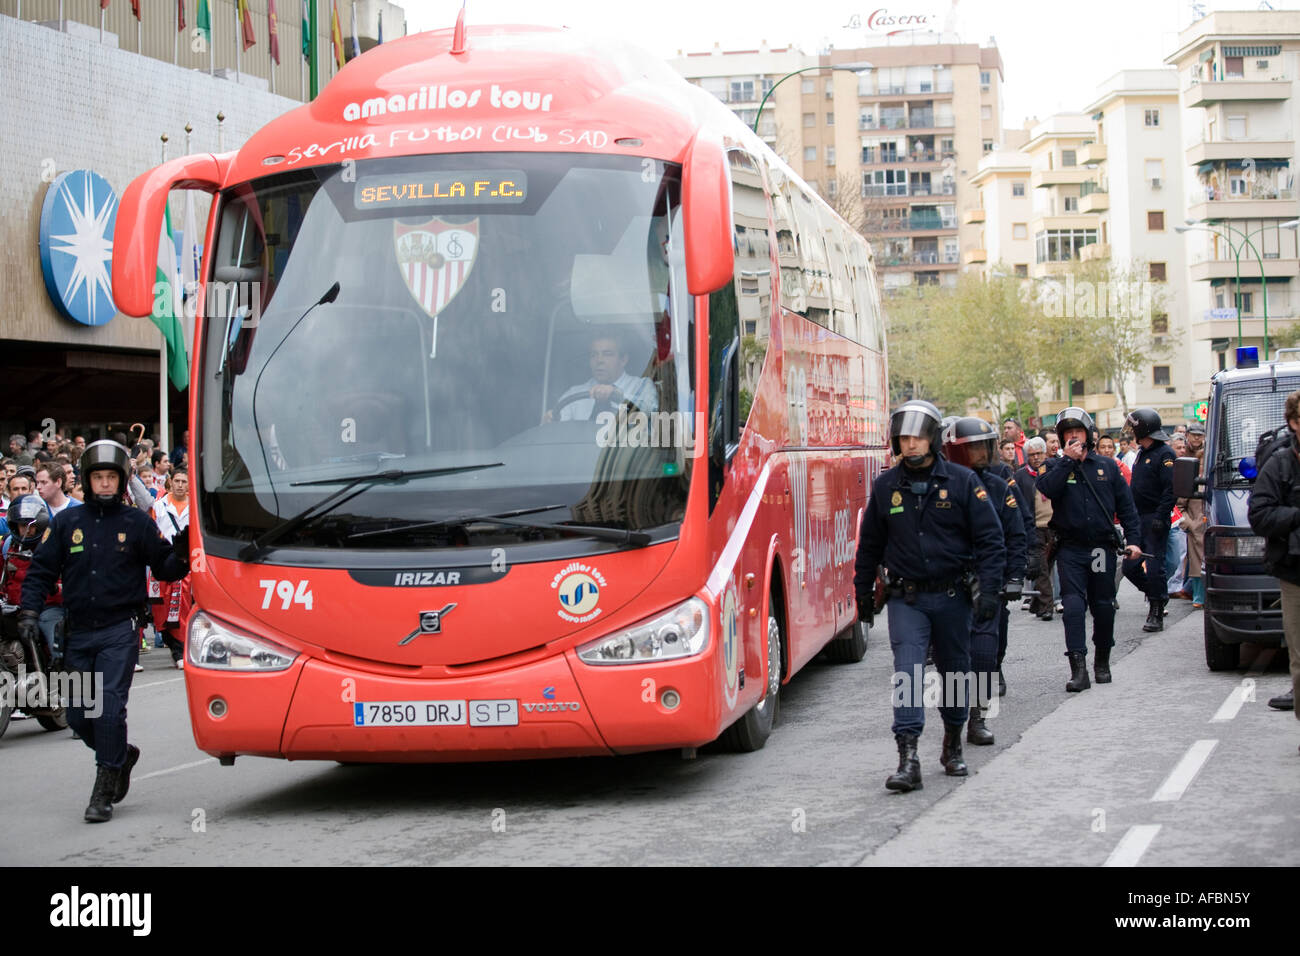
column 609, row 386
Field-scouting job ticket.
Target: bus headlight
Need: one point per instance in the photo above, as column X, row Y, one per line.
column 219, row 647
column 681, row 632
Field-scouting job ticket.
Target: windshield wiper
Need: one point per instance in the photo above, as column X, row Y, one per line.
column 258, row 545
column 637, row 539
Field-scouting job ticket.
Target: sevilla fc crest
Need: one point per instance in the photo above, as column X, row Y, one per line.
column 435, row 258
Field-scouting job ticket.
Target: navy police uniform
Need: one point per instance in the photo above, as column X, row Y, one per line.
column 1025, row 507
column 1153, row 496
column 1086, row 552
column 101, row 551
column 927, row 529
column 988, row 638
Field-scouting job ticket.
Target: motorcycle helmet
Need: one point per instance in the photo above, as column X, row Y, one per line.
column 29, row 518
column 916, row 418
column 1145, row 423
column 105, row 454
column 1076, row 418
column 965, row 437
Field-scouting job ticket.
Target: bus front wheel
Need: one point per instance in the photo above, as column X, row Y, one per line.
column 750, row 733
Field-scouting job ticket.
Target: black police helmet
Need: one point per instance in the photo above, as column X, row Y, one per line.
column 918, row 418
column 1145, row 423
column 964, row 436
column 1076, row 418
column 105, row 454
column 29, row 516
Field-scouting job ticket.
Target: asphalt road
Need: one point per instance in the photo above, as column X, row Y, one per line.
column 1078, row 779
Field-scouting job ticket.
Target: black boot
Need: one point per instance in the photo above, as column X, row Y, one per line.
column 1101, row 664
column 124, row 774
column 908, row 775
column 953, row 764
column 976, row 731
column 1002, row 684
column 100, row 808
column 1283, row 701
column 1155, row 617
column 1078, row 672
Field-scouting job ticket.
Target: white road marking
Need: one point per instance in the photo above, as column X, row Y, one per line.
column 1182, row 776
column 1228, row 709
column 156, row 683
column 184, row 766
column 1132, row 845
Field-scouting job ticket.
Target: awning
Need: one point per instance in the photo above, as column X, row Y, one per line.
column 1252, row 50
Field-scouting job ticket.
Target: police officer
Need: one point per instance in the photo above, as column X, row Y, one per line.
column 101, row 551
column 1153, row 495
column 1025, row 505
column 973, row 442
column 928, row 523
column 1087, row 490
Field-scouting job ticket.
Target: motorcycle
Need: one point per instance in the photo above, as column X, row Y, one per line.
column 28, row 675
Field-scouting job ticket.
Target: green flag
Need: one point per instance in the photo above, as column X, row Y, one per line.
column 167, row 307
column 204, row 19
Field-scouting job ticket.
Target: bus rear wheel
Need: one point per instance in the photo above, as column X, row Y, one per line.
column 750, row 733
column 849, row 646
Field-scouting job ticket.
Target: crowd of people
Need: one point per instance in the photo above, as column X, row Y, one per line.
column 1185, row 546
column 42, row 477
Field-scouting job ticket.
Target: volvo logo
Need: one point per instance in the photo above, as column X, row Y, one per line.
column 430, row 623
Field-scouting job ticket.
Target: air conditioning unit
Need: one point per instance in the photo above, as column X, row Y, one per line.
column 1155, row 184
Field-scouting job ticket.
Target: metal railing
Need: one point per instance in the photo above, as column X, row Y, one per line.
column 1090, row 187
column 1254, row 191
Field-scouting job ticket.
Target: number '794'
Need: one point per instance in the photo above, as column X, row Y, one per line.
column 285, row 591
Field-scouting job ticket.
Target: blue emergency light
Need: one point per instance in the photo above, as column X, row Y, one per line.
column 1248, row 356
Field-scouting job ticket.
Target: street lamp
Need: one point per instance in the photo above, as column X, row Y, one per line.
column 1193, row 225
column 856, row 68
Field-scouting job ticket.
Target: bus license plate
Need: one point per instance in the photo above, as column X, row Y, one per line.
column 409, row 713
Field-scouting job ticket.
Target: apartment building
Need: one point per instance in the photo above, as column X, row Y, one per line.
column 1238, row 73
column 1136, row 193
column 1002, row 212
column 888, row 134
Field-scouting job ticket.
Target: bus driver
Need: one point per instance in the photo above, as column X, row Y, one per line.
column 609, row 386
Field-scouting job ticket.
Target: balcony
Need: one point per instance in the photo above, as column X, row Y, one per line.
column 1219, row 91
column 1227, row 268
column 1235, row 150
column 1093, row 198
column 1094, row 250
column 1091, row 153
column 1070, row 221
column 911, row 224
column 1263, row 202
column 929, row 259
column 971, row 216
column 974, row 255
column 1070, row 176
column 1207, row 326
column 934, row 189
column 872, row 158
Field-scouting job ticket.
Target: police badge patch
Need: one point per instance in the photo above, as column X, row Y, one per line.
column 77, row 536
column 45, row 535
column 981, row 494
column 896, row 499
column 121, row 537
column 943, row 493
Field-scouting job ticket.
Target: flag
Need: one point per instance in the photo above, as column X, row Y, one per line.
column 191, row 261
column 356, row 44
column 381, row 26
column 103, row 4
column 246, row 16
column 271, row 28
column 306, row 32
column 203, row 21
column 180, row 15
column 135, row 8
column 167, row 306
column 336, row 35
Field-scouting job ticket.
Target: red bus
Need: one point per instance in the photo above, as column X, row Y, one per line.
column 546, row 428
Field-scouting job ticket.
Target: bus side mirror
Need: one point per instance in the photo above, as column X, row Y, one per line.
column 1187, row 484
column 139, row 224
column 706, row 201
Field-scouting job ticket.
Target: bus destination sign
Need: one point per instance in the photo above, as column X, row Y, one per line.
column 500, row 187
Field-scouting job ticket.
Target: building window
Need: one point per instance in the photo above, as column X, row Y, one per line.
column 1261, row 64
column 1068, row 158
column 1156, row 220
column 1022, row 270
column 830, row 119
column 1018, row 189
column 809, row 119
column 986, row 79
column 810, row 154
column 1151, row 118
column 830, row 155
column 830, row 90
column 1159, row 324
column 1236, row 127
column 1160, row 375
column 809, row 85
column 988, row 146
column 1247, row 303
column 1071, row 203
column 742, row 91
column 1157, row 271
column 1237, row 186
column 1062, row 245
column 1019, row 230
column 832, row 188
column 986, row 112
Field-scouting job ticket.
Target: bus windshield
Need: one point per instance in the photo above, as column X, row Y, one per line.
column 515, row 327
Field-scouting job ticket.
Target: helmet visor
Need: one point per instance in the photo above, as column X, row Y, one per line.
column 913, row 421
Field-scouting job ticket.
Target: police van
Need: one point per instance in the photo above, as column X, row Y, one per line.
column 1242, row 600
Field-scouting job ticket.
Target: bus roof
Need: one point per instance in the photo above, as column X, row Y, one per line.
column 515, row 88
